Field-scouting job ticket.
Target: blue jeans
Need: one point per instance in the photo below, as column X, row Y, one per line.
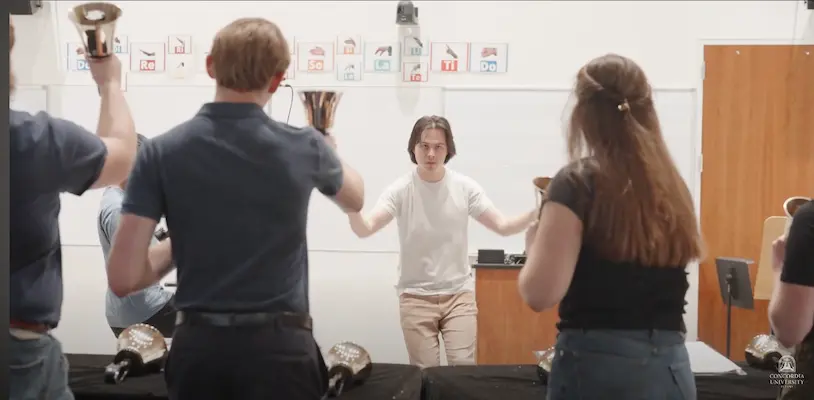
column 38, row 370
column 630, row 365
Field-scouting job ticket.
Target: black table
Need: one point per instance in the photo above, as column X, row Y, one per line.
column 520, row 382
column 387, row 381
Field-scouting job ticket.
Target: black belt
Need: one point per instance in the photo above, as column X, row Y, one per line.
column 289, row 319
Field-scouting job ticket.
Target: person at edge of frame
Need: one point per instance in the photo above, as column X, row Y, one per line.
column 50, row 156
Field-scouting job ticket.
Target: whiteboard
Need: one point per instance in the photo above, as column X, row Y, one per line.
column 31, row 99
column 507, row 137
column 155, row 110
column 372, row 128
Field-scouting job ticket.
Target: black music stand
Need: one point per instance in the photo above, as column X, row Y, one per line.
column 736, row 289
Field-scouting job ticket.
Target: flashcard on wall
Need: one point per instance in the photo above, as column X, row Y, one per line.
column 77, row 62
column 180, row 65
column 292, row 44
column 76, row 58
column 179, row 44
column 147, row 57
column 121, row 44
column 449, row 57
column 415, row 72
column 489, row 57
column 415, row 46
column 349, row 68
column 349, row 44
column 315, row 57
column 382, row 57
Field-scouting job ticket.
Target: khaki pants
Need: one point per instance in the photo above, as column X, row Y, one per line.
column 453, row 316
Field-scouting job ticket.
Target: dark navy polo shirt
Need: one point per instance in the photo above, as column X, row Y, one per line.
column 234, row 187
column 49, row 156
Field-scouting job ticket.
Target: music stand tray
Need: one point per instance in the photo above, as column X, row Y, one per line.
column 736, row 289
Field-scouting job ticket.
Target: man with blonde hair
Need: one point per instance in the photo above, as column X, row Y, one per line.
column 49, row 156
column 234, row 186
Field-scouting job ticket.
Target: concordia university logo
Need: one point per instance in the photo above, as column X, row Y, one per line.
column 787, row 365
column 786, row 375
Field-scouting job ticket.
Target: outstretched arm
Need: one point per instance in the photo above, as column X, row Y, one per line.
column 495, row 221
column 483, row 211
column 366, row 225
column 382, row 214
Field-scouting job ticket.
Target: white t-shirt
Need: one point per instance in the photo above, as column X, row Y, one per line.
column 433, row 223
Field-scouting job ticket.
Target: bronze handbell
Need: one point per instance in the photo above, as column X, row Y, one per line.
column 348, row 364
column 540, row 192
column 320, row 108
column 96, row 25
column 545, row 359
column 790, row 207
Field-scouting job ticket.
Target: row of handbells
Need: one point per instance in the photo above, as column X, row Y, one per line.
column 141, row 350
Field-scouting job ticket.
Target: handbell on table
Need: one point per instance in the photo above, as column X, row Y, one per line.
column 348, row 365
column 545, row 359
column 140, row 349
column 764, row 352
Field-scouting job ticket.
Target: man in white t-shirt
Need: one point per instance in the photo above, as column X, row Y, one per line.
column 432, row 205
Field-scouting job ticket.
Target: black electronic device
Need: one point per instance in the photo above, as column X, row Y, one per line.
column 406, row 13
column 490, row 256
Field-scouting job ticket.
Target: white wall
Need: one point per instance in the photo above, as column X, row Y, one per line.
column 352, row 294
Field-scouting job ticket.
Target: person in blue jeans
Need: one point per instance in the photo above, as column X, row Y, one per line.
column 611, row 247
column 49, row 156
column 153, row 305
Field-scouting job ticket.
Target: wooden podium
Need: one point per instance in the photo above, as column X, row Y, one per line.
column 508, row 330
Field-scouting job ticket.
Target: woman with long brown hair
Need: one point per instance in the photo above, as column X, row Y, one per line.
column 615, row 236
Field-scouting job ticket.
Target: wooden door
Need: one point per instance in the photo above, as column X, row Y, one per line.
column 758, row 150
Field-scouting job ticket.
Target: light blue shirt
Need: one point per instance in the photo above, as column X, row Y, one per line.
column 122, row 312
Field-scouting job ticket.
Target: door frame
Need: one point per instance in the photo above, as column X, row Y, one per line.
column 698, row 140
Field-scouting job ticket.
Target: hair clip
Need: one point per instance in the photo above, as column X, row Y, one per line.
column 624, row 106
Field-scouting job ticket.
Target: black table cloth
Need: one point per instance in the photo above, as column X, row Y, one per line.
column 403, row 382
column 86, row 379
column 520, row 382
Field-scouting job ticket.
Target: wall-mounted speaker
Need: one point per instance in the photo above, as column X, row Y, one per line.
column 23, row 7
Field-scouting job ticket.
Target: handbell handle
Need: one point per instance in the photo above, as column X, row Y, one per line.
column 115, row 373
column 100, row 50
column 336, row 385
